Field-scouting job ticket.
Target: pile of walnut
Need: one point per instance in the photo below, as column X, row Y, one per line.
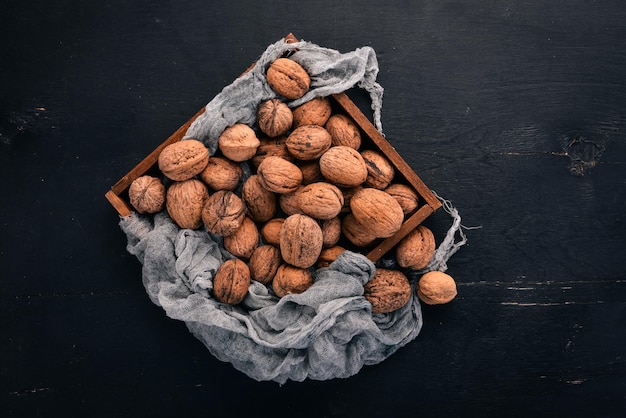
column 312, row 193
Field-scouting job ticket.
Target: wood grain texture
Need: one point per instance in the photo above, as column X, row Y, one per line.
column 481, row 100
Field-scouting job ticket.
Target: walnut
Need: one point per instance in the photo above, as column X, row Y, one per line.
column 271, row 146
column 347, row 196
column 244, row 240
column 405, row 195
column 379, row 213
column 264, row 263
column 289, row 202
column 290, row 280
column 355, row 232
column 274, row 118
column 238, row 142
column 231, row 281
column 331, row 231
column 320, row 200
column 300, row 241
column 270, row 232
column 387, row 291
column 343, row 131
column 436, row 287
column 314, row 112
column 308, row 142
column 416, row 249
column 287, row 78
column 343, row 166
column 311, row 172
column 380, row 172
column 182, row 160
column 260, row 202
column 147, row 194
column 184, row 202
column 221, row 174
column 223, row 213
column 279, row 175
column 328, row 255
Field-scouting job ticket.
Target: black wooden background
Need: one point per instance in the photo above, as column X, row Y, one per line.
column 513, row 110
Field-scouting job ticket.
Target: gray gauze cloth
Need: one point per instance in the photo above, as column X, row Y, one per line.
column 326, row 332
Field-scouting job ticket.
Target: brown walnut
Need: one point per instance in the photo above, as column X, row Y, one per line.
column 380, row 172
column 279, row 175
column 320, row 200
column 260, row 202
column 184, row 202
column 436, row 287
column 308, row 142
column 331, row 231
column 405, row 195
column 355, row 232
column 231, row 282
column 314, row 112
column 223, row 213
column 379, row 213
column 301, row 240
column 290, row 280
column 289, row 202
column 238, row 142
column 147, row 194
column 288, row 78
column 221, row 174
column 328, row 255
column 274, row 118
column 244, row 240
column 343, row 166
column 270, row 232
column 264, row 263
column 416, row 249
column 387, row 291
column 271, row 146
column 182, row 160
column 343, row 131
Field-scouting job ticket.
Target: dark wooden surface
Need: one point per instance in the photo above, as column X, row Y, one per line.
column 498, row 106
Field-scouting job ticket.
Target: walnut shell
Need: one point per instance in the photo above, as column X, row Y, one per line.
column 182, row 160
column 260, row 202
column 314, row 112
column 436, row 287
column 238, row 142
column 405, row 195
column 231, row 282
column 343, row 131
column 290, row 203
column 308, row 142
column 279, row 175
column 328, row 255
column 347, row 196
column 379, row 213
column 311, row 172
column 380, row 172
column 223, row 213
column 274, row 118
column 271, row 146
column 147, row 194
column 264, row 263
column 387, row 291
column 290, row 280
column 320, row 200
column 244, row 240
column 416, row 249
column 221, row 174
column 184, row 202
column 331, row 231
column 300, row 241
column 288, row 78
column 343, row 166
column 270, row 232
column 355, row 232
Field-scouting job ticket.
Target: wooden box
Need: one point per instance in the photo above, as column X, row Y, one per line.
column 371, row 138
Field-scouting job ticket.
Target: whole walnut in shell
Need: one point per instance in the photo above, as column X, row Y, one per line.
column 308, row 142
column 270, row 232
column 274, row 118
column 223, row 213
column 328, row 255
column 416, row 249
column 379, row 213
column 182, row 160
column 436, row 287
column 380, row 172
column 289, row 202
column 260, row 202
column 271, row 146
column 238, row 142
column 387, row 291
column 314, row 112
column 244, row 240
column 221, row 174
column 290, row 280
column 288, row 78
column 231, row 282
column 311, row 172
column 264, row 263
column 184, row 202
column 343, row 131
column 405, row 195
column 320, row 200
column 343, row 166
column 301, row 241
column 331, row 231
column 147, row 194
column 279, row 175
column 355, row 232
